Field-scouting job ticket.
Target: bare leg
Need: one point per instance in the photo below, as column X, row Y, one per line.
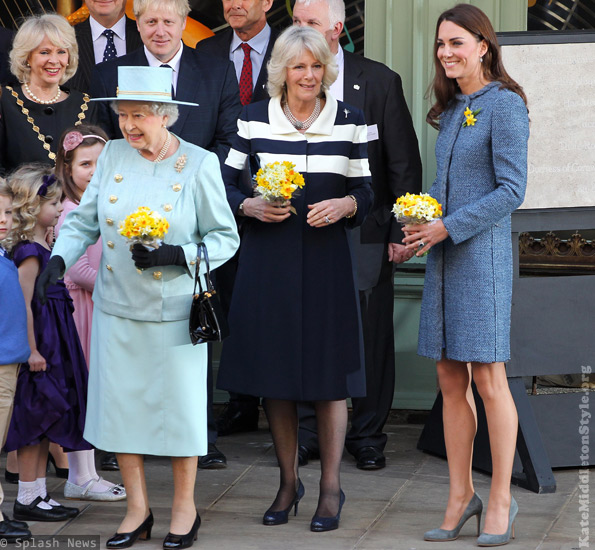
column 331, row 417
column 183, row 512
column 283, row 423
column 132, row 469
column 28, row 460
column 460, row 425
column 12, row 464
column 60, row 457
column 502, row 417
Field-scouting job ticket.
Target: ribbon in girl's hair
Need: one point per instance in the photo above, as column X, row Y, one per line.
column 48, row 181
column 73, row 139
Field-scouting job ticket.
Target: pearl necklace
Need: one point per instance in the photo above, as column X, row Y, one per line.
column 299, row 124
column 37, row 100
column 164, row 149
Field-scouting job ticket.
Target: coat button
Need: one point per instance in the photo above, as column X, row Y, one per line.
column 156, row 275
column 109, row 267
column 110, row 244
column 176, row 187
column 118, row 178
column 167, row 207
column 113, row 199
column 109, row 221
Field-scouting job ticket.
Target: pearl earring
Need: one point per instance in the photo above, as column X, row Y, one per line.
column 481, row 59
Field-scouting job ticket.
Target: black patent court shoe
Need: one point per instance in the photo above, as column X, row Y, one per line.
column 282, row 516
column 126, row 540
column 320, row 524
column 183, row 541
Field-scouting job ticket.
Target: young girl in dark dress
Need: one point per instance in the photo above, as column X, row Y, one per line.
column 49, row 401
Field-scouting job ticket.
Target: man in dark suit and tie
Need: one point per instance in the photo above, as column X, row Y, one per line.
column 106, row 34
column 396, row 169
column 248, row 43
column 208, row 81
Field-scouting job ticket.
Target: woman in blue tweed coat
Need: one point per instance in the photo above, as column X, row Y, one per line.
column 481, row 177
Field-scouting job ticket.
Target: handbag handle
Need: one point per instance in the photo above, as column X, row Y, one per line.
column 202, row 253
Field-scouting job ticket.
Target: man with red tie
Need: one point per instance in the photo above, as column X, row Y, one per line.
column 248, row 43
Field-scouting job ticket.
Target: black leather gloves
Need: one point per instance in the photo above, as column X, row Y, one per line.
column 166, row 254
column 49, row 276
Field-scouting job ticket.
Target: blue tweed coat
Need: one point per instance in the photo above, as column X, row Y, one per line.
column 481, row 179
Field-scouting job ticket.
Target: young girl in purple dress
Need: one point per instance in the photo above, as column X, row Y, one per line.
column 78, row 150
column 49, row 402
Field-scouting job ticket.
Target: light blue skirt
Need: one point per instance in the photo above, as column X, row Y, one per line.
column 147, row 388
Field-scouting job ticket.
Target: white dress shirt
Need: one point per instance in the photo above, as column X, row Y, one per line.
column 100, row 41
column 174, row 63
column 336, row 88
column 258, row 44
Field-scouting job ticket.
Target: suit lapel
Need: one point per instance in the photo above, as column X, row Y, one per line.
column 260, row 91
column 188, row 81
column 133, row 39
column 86, row 53
column 354, row 85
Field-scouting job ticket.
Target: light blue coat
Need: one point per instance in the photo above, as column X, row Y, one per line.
column 481, row 179
column 193, row 201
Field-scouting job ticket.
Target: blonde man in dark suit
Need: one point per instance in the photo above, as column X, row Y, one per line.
column 106, row 34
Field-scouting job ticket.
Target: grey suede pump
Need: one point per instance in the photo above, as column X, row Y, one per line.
column 474, row 508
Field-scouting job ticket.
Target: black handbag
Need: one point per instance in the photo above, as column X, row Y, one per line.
column 207, row 320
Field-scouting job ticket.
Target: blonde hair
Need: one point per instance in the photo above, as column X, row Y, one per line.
column 31, row 34
column 290, row 46
column 181, row 7
column 25, row 183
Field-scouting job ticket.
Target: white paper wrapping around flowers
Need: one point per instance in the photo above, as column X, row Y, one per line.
column 559, row 80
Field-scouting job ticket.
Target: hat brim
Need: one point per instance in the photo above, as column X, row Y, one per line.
column 144, row 99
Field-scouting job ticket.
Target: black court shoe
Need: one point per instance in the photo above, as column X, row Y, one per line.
column 172, row 541
column 126, row 540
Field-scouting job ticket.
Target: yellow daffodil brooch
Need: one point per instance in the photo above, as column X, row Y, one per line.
column 470, row 117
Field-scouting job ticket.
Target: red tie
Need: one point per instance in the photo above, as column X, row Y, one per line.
column 246, row 76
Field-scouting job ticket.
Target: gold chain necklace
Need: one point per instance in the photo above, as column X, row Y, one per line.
column 40, row 136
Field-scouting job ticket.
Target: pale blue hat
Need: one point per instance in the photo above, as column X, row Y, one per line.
column 151, row 84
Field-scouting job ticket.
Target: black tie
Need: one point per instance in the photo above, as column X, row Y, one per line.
column 110, row 47
column 173, row 92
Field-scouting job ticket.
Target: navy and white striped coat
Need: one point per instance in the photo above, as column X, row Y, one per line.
column 294, row 316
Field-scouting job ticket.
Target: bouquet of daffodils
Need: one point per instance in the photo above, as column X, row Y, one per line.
column 278, row 182
column 144, row 226
column 416, row 209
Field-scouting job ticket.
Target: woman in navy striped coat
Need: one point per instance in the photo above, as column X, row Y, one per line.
column 294, row 319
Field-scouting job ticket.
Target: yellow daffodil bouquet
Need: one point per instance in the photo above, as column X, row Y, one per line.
column 415, row 209
column 278, row 182
column 144, row 226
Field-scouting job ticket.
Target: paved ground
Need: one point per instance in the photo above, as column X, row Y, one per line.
column 386, row 509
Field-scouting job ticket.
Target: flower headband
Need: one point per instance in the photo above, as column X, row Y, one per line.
column 48, row 181
column 73, row 139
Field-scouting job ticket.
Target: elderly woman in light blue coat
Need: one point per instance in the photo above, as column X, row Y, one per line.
column 147, row 383
column 481, row 156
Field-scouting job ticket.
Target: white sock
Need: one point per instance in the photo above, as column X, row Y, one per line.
column 28, row 492
column 42, row 492
column 78, row 467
